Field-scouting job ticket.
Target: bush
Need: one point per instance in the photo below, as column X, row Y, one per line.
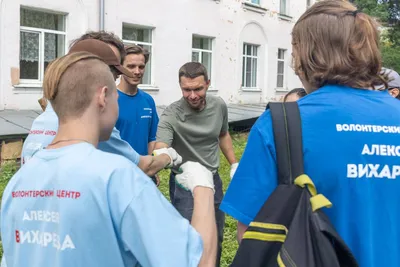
column 391, row 57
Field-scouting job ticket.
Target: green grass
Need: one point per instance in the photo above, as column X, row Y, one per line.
column 229, row 246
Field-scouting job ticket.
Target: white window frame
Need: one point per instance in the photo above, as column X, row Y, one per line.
column 151, row 84
column 284, row 69
column 244, row 70
column 286, row 11
column 208, row 51
column 258, row 2
column 42, row 33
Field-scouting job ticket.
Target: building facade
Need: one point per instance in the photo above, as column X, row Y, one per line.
column 245, row 45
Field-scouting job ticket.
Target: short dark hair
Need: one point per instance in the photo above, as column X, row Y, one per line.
column 193, row 70
column 106, row 37
column 137, row 50
column 300, row 92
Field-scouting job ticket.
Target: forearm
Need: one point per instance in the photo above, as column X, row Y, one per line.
column 152, row 165
column 225, row 143
column 159, row 145
column 241, row 229
column 203, row 220
column 151, row 147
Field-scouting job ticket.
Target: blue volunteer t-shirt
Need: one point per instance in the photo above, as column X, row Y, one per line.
column 138, row 120
column 351, row 145
column 45, row 127
column 79, row 206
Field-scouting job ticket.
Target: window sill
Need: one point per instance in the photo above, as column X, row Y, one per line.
column 212, row 89
column 281, row 90
column 285, row 17
column 28, row 85
column 149, row 87
column 254, row 7
column 246, row 89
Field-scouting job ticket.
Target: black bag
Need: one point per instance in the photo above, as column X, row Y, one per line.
column 290, row 229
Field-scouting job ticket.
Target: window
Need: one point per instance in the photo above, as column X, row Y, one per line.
column 202, row 52
column 143, row 37
column 283, row 8
column 256, row 2
column 42, row 39
column 308, row 3
column 281, row 68
column 250, row 64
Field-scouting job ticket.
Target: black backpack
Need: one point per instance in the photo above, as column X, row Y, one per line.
column 291, row 229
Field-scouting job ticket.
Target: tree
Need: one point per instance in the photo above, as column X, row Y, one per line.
column 388, row 14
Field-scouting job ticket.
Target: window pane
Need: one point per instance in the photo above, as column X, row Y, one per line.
column 248, row 51
column 280, row 81
column 254, row 73
column 136, row 34
column 281, row 53
column 207, row 62
column 283, row 7
column 29, row 55
column 244, row 72
column 202, row 43
column 248, row 72
column 147, row 74
column 42, row 20
column 255, row 50
column 244, row 49
column 54, row 47
column 281, row 66
column 255, row 2
column 195, row 56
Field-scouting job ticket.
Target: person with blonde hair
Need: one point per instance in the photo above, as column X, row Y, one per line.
column 75, row 205
column 350, row 129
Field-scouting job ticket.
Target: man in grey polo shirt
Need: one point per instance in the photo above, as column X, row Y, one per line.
column 196, row 126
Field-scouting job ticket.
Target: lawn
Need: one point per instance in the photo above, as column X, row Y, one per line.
column 229, row 245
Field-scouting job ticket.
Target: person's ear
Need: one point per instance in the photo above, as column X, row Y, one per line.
column 208, row 84
column 395, row 92
column 102, row 99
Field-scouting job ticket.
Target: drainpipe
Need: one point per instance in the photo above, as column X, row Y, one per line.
column 102, row 15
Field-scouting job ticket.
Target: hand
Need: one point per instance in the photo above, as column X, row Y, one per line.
column 234, row 166
column 157, row 179
column 194, row 174
column 175, row 158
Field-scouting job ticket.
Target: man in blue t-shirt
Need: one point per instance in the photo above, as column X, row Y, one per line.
column 74, row 205
column 351, row 135
column 137, row 121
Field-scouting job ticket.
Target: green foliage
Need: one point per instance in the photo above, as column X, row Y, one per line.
column 6, row 172
column 230, row 244
column 388, row 14
column 377, row 9
column 391, row 57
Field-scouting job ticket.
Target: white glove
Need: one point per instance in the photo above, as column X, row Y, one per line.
column 234, row 167
column 176, row 159
column 194, row 174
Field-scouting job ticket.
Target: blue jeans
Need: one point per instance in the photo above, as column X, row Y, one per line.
column 182, row 200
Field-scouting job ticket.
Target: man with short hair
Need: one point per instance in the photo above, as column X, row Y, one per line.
column 137, row 121
column 111, row 49
column 118, row 208
column 196, row 126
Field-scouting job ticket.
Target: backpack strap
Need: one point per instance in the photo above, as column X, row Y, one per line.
column 286, row 122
